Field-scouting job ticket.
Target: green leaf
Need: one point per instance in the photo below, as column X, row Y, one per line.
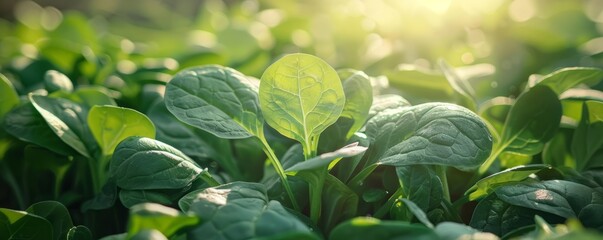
column 496, row 216
column 130, row 198
column 55, row 213
column 562, row 198
column 362, row 228
column 587, row 144
column 382, row 103
column 495, row 111
column 339, row 203
column 56, row 81
column 326, row 158
column 460, row 85
column 421, row 185
column 22, row 225
column 431, row 133
column 566, row 78
column 196, row 144
column 359, row 98
column 88, row 96
column 166, row 220
column 79, row 232
column 26, row 124
column 67, row 120
column 142, row 163
column 420, row 84
column 457, row 231
column 513, row 175
column 216, row 99
column 110, row 125
column 238, row 210
column 300, row 96
column 418, row 212
column 8, row 96
column 531, row 122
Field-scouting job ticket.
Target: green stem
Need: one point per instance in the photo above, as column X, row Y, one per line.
column 96, row 181
column 486, row 165
column 10, row 179
column 316, row 195
column 441, row 172
column 460, row 202
column 382, row 211
column 279, row 170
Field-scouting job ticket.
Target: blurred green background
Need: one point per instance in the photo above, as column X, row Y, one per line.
column 495, row 44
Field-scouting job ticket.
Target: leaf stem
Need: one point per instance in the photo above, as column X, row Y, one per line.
column 486, row 165
column 380, row 213
column 10, row 179
column 279, row 170
column 316, row 195
column 441, row 172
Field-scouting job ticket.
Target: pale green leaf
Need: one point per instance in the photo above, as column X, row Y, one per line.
column 110, row 125
column 300, row 96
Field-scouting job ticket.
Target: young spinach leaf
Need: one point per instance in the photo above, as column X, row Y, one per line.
column 566, row 78
column 460, row 85
column 326, row 159
column 110, row 125
column 26, row 124
column 359, row 99
column 300, row 96
column 382, row 103
column 55, row 213
column 216, row 99
column 238, row 210
column 166, row 220
column 23, row 225
column 67, row 120
column 513, row 175
column 8, row 96
column 432, row 133
column 532, row 121
column 587, row 143
column 141, row 163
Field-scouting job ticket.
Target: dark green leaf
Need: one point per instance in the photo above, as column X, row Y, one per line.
column 362, row 228
column 238, row 210
column 496, row 216
column 67, row 120
column 587, row 143
column 142, row 163
column 216, row 99
column 79, row 233
column 431, row 133
column 339, row 203
column 385, row 102
column 22, row 225
column 55, row 213
column 418, row 212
